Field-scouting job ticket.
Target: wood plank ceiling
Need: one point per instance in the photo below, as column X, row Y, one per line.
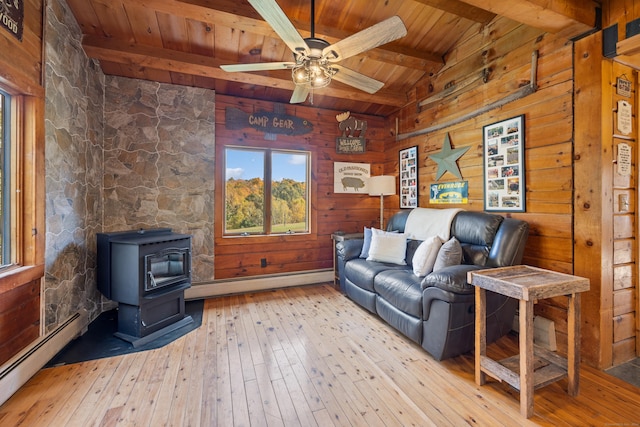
column 185, row 41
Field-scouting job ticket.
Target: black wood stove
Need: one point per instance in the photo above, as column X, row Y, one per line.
column 146, row 272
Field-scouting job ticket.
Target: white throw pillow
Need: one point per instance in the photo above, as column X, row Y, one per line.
column 387, row 247
column 449, row 254
column 425, row 256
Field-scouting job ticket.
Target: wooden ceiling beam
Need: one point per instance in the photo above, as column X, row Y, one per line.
column 141, row 56
column 572, row 17
column 461, row 9
column 235, row 15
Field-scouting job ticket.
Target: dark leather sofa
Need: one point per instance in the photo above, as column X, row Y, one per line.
column 437, row 311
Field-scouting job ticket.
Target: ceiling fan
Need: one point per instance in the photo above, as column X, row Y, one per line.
column 315, row 60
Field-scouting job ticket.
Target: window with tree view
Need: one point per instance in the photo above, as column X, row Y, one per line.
column 266, row 191
column 5, row 204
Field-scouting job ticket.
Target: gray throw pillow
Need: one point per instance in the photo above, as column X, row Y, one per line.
column 450, row 253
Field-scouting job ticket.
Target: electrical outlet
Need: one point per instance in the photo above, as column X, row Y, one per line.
column 623, row 203
column 263, row 262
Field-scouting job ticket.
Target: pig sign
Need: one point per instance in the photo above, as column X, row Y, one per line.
column 351, row 177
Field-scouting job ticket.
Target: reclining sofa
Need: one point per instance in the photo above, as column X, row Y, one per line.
column 436, row 311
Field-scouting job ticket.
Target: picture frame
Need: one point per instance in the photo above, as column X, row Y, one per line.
column 408, row 161
column 504, row 169
column 351, row 178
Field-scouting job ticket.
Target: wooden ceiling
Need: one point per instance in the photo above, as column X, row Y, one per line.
column 185, row 41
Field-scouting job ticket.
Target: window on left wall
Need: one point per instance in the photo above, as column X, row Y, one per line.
column 266, row 191
column 5, row 179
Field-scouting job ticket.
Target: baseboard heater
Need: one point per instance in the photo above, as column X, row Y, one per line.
column 20, row 368
column 258, row 283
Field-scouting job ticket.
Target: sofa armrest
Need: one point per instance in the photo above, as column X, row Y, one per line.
column 432, row 293
column 349, row 249
column 452, row 278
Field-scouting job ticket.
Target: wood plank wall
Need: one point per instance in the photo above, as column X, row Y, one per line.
column 19, row 318
column 618, row 291
column 605, row 227
column 21, row 76
column 624, row 223
column 593, row 233
column 606, row 248
column 503, row 51
column 240, row 256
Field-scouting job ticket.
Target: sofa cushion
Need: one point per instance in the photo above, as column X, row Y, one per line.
column 387, row 247
column 398, row 220
column 412, row 246
column 476, row 228
column 450, row 253
column 408, row 325
column 362, row 272
column 425, row 256
column 475, row 231
column 402, row 289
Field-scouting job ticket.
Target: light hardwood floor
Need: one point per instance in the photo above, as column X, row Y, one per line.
column 300, row 356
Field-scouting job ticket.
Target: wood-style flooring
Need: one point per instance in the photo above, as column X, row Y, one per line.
column 301, row 357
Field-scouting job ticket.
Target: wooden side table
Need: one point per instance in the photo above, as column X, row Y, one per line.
column 528, row 285
column 340, row 237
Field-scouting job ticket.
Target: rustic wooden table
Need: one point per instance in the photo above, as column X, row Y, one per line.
column 528, row 285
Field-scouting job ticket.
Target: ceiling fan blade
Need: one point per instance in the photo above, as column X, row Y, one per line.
column 383, row 32
column 357, row 80
column 275, row 16
column 300, row 94
column 258, row 66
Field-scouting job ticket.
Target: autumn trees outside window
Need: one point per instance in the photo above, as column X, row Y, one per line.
column 266, row 191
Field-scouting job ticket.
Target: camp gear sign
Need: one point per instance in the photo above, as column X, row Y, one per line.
column 271, row 123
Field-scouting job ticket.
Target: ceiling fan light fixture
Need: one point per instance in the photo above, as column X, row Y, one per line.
column 313, row 73
column 315, row 59
column 312, row 69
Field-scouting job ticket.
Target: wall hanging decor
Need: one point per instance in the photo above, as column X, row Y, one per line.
column 448, row 193
column 504, row 187
column 351, row 177
column 271, row 123
column 409, row 177
column 623, row 86
column 623, row 159
column 12, row 16
column 447, row 158
column 353, row 130
column 624, row 117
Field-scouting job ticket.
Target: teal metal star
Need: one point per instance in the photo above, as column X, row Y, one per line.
column 447, row 158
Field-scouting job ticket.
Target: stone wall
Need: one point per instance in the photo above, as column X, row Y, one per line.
column 159, row 152
column 74, row 88
column 120, row 154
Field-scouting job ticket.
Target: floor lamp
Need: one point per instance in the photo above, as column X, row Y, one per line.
column 382, row 185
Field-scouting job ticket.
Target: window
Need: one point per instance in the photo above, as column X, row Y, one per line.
column 5, row 173
column 266, row 191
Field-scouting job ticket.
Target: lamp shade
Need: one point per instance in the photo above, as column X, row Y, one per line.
column 382, row 185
